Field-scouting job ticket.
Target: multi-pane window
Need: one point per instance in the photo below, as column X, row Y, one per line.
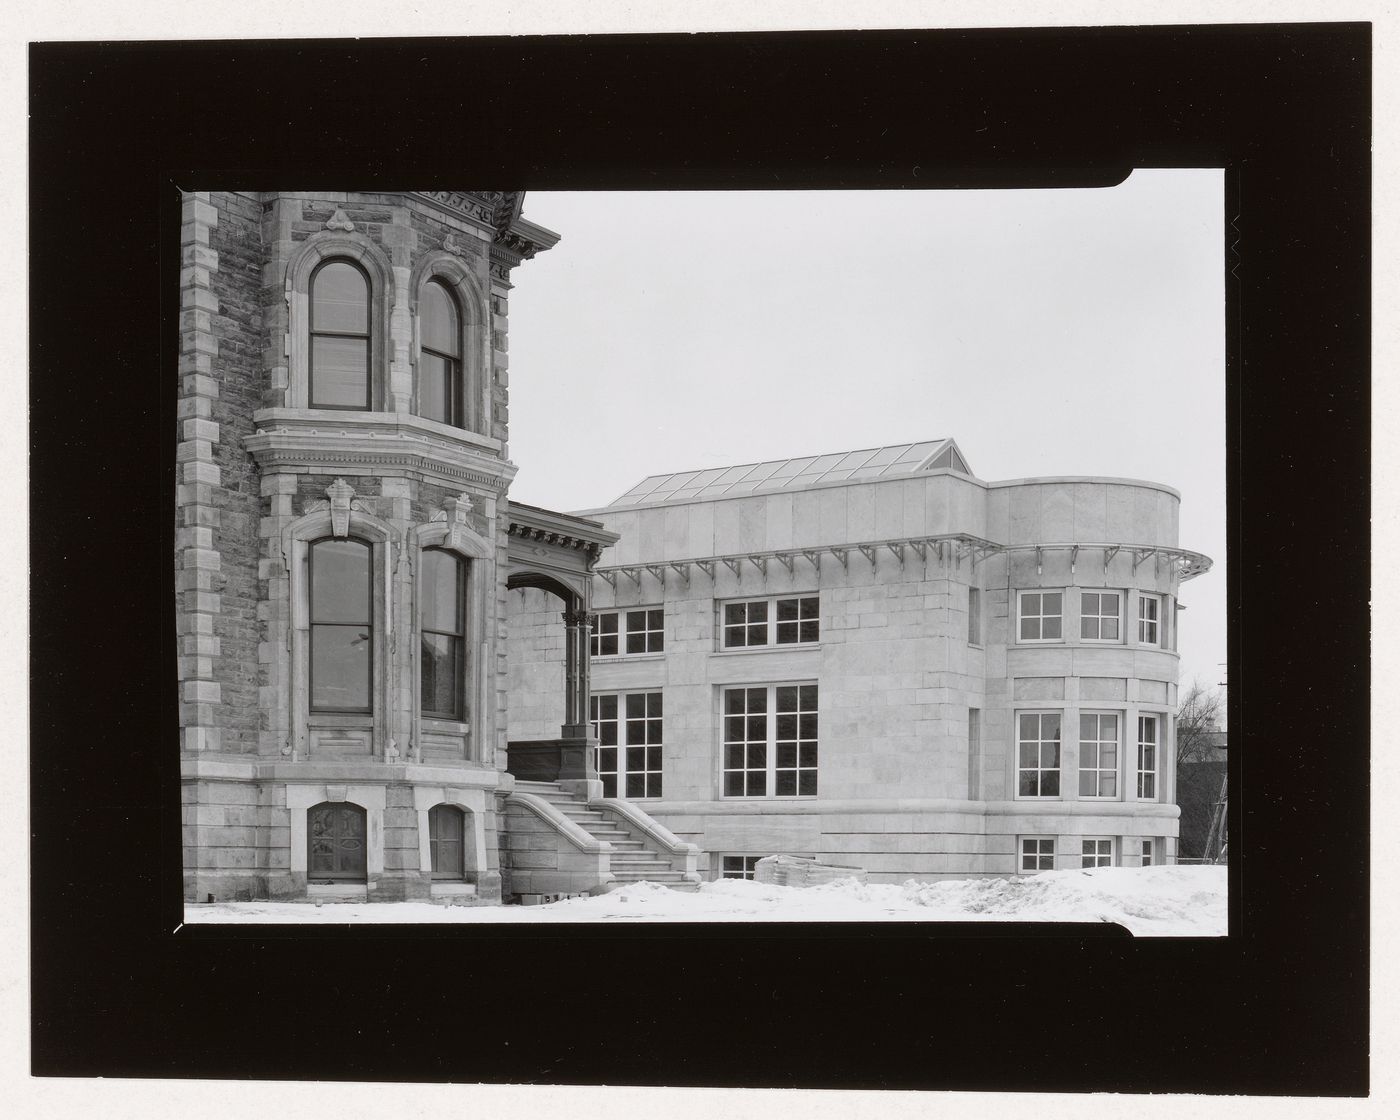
column 1099, row 613
column 1038, row 751
column 738, row 867
column 340, row 336
column 446, row 841
column 442, row 626
column 974, row 616
column 628, row 729
column 770, row 741
column 440, row 394
column 1037, row 853
column 796, row 621
column 1041, row 615
column 639, row 631
column 645, row 633
column 603, row 641
column 1147, row 758
column 1096, row 853
column 341, row 619
column 784, row 621
column 1146, row 853
column 1149, row 619
column 1098, row 754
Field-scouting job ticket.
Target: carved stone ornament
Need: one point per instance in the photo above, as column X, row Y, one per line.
column 450, row 244
column 455, row 512
column 341, row 493
column 338, row 220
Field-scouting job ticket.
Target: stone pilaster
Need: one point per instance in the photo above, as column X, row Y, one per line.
column 274, row 613
column 197, row 575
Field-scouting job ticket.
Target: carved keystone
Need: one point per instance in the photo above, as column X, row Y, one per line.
column 338, row 220
column 341, row 493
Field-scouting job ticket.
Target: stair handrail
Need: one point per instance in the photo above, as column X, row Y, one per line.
column 647, row 825
column 579, row 837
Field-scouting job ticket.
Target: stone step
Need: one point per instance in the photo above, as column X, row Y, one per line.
column 665, row 878
column 627, row 863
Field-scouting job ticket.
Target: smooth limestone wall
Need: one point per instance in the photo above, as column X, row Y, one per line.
column 903, row 792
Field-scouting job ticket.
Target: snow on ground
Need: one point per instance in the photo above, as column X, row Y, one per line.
column 1148, row 901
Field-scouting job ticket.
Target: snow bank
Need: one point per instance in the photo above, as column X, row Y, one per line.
column 1148, row 901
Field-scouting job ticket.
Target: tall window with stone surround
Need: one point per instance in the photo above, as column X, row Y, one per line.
column 1147, row 758
column 1149, row 615
column 340, row 337
column 1098, row 754
column 442, row 627
column 1038, row 754
column 628, row 727
column 440, row 389
column 770, row 741
column 342, row 625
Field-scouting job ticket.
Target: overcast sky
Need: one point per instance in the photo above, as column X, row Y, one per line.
column 1049, row 332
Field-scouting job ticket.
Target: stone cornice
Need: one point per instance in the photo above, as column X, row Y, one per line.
column 539, row 526
column 481, row 208
column 378, row 442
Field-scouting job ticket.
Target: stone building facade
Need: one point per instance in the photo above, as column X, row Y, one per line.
column 344, row 545
column 879, row 660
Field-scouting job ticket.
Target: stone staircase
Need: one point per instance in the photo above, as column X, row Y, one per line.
column 640, row 848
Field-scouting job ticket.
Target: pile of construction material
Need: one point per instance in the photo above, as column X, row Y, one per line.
column 797, row 871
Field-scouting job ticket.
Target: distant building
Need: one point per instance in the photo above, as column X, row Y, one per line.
column 879, row 660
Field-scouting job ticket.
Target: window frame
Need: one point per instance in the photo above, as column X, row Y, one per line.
column 459, row 715
column 312, row 624
column 1146, row 852
column 621, row 620
column 1155, row 622
column 974, row 616
column 1041, row 616
column 455, row 375
column 1099, row 617
column 747, row 866
column 1115, row 772
column 770, row 623
column 1154, row 773
column 621, row 774
column 770, row 768
column 1040, row 741
column 1041, row 853
column 1099, row 855
column 312, row 334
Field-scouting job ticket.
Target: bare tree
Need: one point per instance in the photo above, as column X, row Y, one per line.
column 1198, row 717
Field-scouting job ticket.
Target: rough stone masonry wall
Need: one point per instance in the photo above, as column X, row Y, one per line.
column 217, row 494
column 237, row 328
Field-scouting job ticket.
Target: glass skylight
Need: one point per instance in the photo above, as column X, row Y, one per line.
column 792, row 474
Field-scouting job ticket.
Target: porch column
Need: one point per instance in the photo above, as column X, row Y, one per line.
column 578, row 625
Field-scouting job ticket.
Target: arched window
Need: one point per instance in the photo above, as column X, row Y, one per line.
column 340, row 337
column 342, row 625
column 335, row 843
column 440, row 389
column 446, row 841
column 442, row 623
